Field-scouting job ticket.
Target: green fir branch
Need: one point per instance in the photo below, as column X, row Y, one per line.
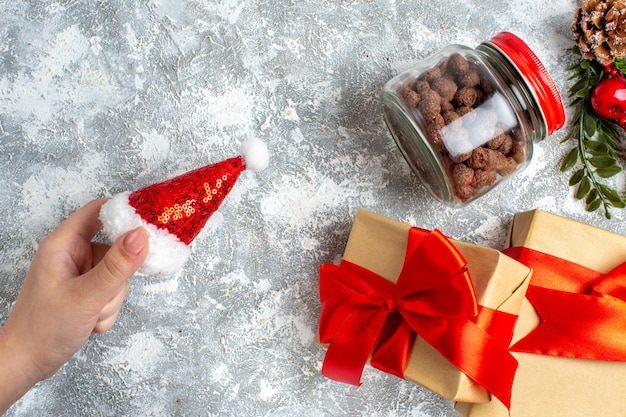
column 596, row 151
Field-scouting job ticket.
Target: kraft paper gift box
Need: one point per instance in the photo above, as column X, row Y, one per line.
column 379, row 245
column 553, row 386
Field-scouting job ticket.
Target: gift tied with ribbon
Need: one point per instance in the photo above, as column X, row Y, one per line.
column 582, row 311
column 365, row 316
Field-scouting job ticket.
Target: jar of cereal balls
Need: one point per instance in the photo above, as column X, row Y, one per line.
column 465, row 119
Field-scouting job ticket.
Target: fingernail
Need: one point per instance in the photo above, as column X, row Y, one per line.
column 135, row 241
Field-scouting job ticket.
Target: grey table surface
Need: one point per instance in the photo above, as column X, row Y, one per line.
column 98, row 97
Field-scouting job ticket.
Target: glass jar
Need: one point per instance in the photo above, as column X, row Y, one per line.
column 465, row 119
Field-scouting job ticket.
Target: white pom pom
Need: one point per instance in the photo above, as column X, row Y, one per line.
column 255, row 154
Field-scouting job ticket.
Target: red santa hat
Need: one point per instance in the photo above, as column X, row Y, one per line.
column 176, row 210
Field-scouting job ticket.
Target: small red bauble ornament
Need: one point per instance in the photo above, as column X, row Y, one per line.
column 608, row 99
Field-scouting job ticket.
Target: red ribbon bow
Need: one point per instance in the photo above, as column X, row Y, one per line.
column 363, row 314
column 582, row 311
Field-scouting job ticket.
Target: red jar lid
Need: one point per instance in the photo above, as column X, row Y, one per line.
column 536, row 76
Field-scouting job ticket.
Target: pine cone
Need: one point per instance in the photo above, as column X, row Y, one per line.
column 599, row 30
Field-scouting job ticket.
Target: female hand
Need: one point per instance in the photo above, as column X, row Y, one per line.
column 74, row 286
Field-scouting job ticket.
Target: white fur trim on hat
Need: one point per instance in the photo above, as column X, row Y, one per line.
column 166, row 255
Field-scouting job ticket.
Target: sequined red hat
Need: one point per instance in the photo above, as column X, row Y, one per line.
column 176, row 210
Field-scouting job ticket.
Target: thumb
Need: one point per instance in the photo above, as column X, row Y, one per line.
column 120, row 262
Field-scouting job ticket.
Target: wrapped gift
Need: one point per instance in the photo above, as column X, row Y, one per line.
column 570, row 339
column 415, row 304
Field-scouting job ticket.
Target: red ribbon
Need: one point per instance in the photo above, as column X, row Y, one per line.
column 582, row 311
column 364, row 314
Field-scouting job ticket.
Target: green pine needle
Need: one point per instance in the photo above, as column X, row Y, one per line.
column 596, row 151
